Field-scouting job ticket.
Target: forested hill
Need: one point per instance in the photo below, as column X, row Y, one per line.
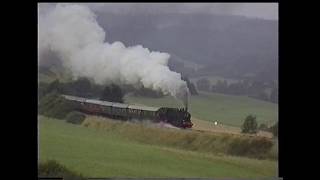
column 231, row 46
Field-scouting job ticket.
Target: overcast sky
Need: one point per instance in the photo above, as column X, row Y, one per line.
column 253, row 10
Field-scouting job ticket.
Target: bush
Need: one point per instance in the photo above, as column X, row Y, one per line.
column 239, row 147
column 250, row 125
column 216, row 143
column 42, row 89
column 52, row 168
column 256, row 148
column 75, row 117
column 263, row 127
column 55, row 106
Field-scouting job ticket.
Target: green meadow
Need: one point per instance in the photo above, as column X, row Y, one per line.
column 96, row 152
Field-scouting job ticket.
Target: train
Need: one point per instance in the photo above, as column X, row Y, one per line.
column 178, row 117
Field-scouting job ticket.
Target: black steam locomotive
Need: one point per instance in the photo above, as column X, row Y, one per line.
column 177, row 117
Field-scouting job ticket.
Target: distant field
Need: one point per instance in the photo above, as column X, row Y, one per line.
column 214, row 79
column 101, row 153
column 226, row 109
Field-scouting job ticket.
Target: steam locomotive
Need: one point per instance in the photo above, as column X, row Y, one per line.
column 174, row 116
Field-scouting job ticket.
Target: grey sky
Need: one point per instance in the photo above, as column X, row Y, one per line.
column 253, row 10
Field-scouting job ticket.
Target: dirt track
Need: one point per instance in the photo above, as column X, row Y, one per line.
column 202, row 125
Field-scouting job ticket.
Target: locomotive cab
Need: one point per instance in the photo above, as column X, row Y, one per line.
column 177, row 117
column 186, row 121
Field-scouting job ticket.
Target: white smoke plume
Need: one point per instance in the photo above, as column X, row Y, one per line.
column 73, row 33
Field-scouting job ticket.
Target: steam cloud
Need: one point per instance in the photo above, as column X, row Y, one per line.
column 73, row 33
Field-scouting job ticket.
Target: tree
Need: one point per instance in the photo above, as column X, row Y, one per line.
column 42, row 89
column 221, row 86
column 96, row 90
column 54, row 105
column 274, row 130
column 250, row 125
column 81, row 87
column 106, row 94
column 112, row 93
column 117, row 94
column 263, row 127
column 54, row 86
column 255, row 88
column 203, row 84
column 236, row 88
column 146, row 92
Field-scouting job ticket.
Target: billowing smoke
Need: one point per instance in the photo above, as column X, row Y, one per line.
column 72, row 32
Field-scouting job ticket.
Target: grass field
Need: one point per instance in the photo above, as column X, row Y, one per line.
column 226, row 109
column 214, row 79
column 101, row 153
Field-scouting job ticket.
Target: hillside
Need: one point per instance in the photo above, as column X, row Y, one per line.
column 232, row 46
column 98, row 67
column 103, row 153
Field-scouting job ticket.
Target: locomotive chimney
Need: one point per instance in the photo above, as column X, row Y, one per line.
column 186, row 101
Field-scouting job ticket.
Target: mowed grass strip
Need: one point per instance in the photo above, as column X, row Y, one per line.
column 226, row 109
column 100, row 153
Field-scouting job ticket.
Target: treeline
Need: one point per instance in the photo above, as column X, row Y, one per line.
column 82, row 87
column 267, row 91
column 51, row 104
column 145, row 92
